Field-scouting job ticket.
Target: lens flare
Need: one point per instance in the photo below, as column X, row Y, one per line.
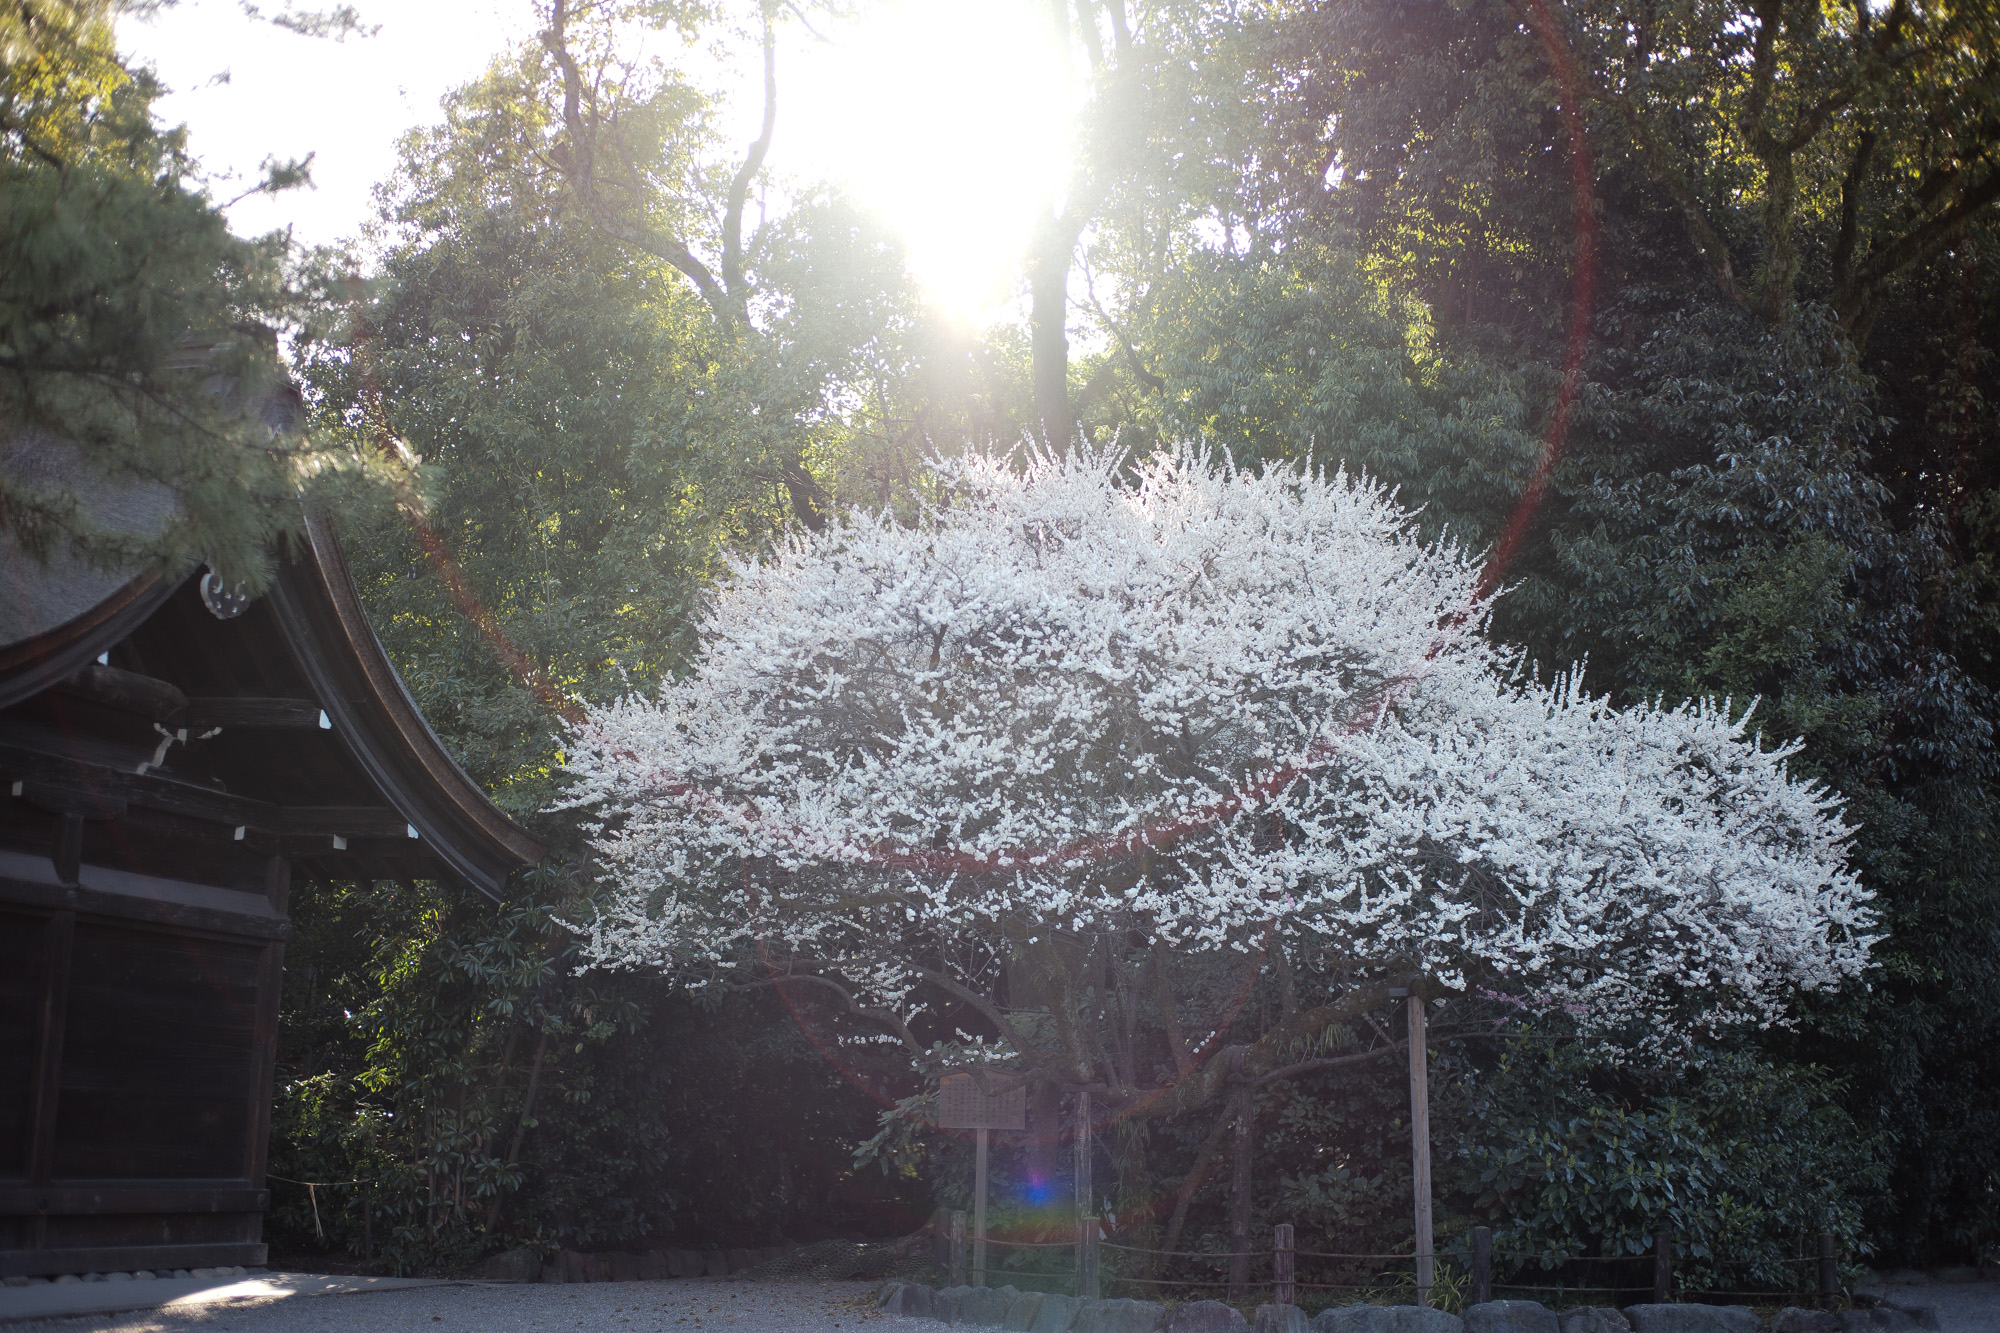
column 896, row 159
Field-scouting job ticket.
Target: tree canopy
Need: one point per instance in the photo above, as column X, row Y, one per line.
column 1193, row 708
column 134, row 327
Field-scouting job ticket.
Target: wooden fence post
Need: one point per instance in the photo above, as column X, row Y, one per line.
column 1482, row 1265
column 957, row 1273
column 1829, row 1273
column 1663, row 1268
column 1282, row 1290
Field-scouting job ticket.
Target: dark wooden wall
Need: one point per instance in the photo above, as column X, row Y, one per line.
column 161, row 772
column 137, row 1018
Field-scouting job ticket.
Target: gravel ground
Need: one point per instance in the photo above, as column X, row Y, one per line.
column 1963, row 1307
column 710, row 1305
column 706, row 1305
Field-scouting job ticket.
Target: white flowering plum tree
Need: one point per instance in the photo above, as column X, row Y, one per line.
column 1088, row 745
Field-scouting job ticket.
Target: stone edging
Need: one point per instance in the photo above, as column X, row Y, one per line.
column 1033, row 1312
column 136, row 1275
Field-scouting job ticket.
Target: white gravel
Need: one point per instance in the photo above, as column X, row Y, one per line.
column 709, row 1305
column 1963, row 1307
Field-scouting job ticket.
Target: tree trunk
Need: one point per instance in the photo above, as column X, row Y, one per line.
column 1781, row 242
column 1048, row 288
column 521, row 1125
column 1045, row 1143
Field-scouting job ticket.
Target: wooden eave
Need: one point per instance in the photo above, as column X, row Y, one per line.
column 324, row 755
column 39, row 663
column 320, row 610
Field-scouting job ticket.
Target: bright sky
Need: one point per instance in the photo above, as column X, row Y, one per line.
column 946, row 117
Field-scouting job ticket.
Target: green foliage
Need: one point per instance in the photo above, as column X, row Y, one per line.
column 443, row 1070
column 1756, row 496
column 1309, row 355
column 592, row 439
column 588, row 441
column 1744, row 1162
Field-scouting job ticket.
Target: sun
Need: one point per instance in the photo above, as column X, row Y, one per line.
column 949, row 119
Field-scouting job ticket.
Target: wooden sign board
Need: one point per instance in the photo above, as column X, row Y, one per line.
column 961, row 1105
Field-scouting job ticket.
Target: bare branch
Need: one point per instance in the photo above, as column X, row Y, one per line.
column 1121, row 30
column 1850, row 208
column 1856, row 304
column 985, row 1006
column 1763, row 75
column 1197, row 1176
column 1146, row 377
column 1327, row 1062
column 1170, row 1021
column 887, row 1018
column 1707, row 240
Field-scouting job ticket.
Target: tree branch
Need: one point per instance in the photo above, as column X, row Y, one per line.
column 1197, row 1175
column 1170, row 1021
column 804, row 492
column 983, row 1005
column 1763, row 74
column 885, row 1017
column 1146, row 377
column 1707, row 241
column 1850, row 209
column 753, row 161
column 1855, row 305
column 1121, row 30
column 577, row 163
column 1297, row 1068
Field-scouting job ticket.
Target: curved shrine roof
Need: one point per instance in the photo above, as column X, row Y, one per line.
column 285, row 727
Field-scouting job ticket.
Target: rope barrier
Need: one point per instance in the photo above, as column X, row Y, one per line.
column 313, row 1187
column 1033, row 1244
column 1186, row 1254
column 1644, row 1256
column 1180, row 1281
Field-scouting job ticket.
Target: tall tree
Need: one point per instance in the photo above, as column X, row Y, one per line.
column 1098, row 736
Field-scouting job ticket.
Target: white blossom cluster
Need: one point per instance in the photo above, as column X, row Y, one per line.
column 1202, row 705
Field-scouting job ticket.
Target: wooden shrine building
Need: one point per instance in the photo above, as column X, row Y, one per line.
column 169, row 758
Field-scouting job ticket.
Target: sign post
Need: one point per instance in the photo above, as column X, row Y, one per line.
column 1086, row 1204
column 1420, row 1141
column 964, row 1104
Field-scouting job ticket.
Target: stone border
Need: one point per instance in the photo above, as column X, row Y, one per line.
column 137, row 1275
column 525, row 1265
column 1014, row 1311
